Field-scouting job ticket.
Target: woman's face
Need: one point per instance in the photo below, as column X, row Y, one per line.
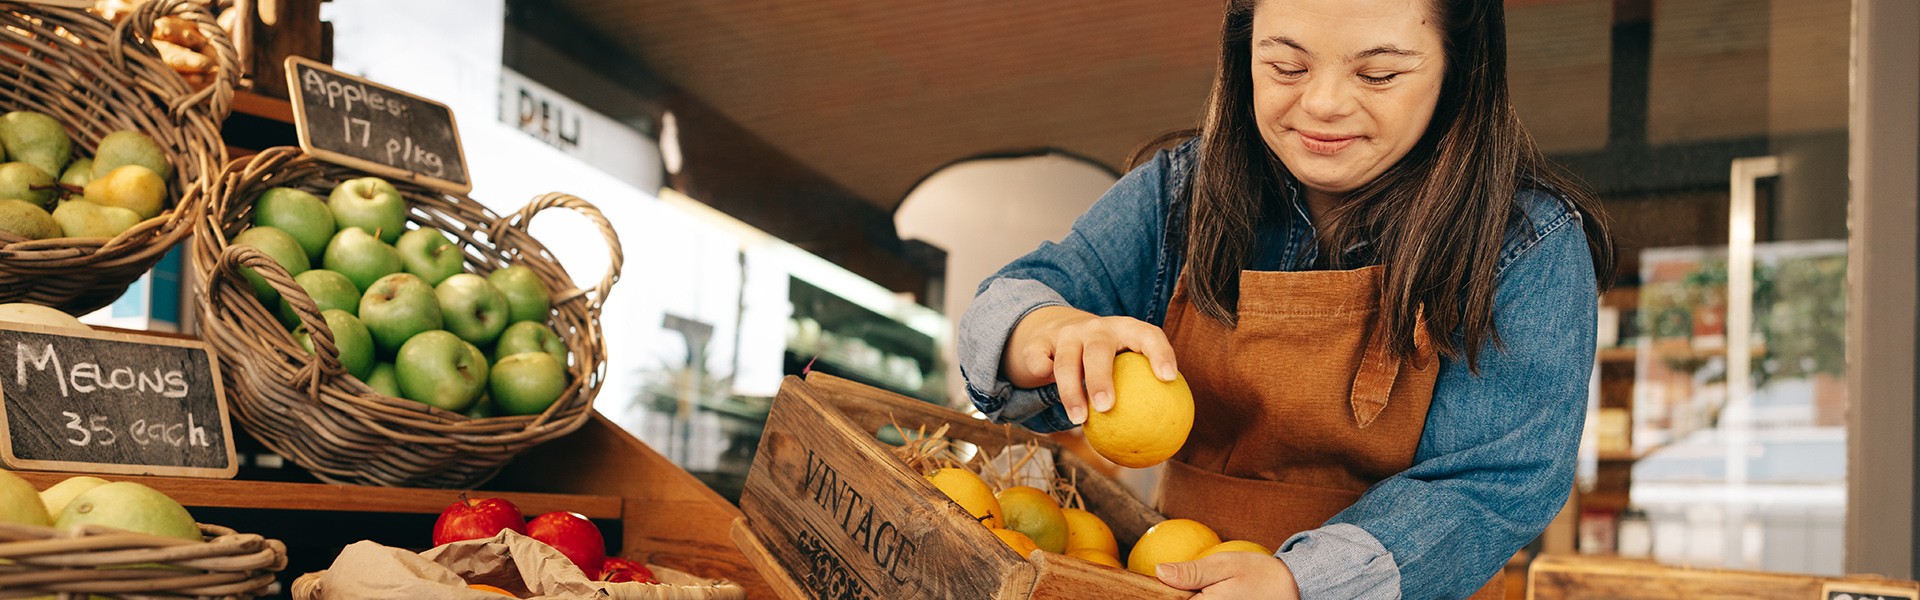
column 1342, row 89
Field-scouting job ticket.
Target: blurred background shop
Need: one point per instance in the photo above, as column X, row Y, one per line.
column 822, row 184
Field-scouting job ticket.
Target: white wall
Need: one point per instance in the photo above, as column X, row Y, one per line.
column 985, row 213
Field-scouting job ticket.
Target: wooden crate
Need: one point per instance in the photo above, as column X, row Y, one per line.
column 1554, row 577
column 831, row 513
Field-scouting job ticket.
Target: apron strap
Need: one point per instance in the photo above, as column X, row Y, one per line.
column 1379, row 368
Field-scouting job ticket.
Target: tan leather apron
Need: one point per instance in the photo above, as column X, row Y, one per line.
column 1298, row 409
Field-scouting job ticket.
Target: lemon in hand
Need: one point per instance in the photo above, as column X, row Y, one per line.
column 1150, row 418
column 1173, row 540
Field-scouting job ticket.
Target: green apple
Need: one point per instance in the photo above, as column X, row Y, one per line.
column 350, row 338
column 298, row 213
column 398, row 307
column 361, row 257
column 429, row 254
column 131, row 187
column 20, row 503
column 78, row 172
column 530, row 336
column 129, row 147
column 369, row 203
column 36, row 139
column 26, row 183
column 440, row 369
column 130, row 506
column 329, row 290
column 27, row 220
column 83, row 219
column 57, row 497
column 526, row 383
column 483, row 408
column 473, row 309
column 384, row 380
column 281, row 248
column 527, row 297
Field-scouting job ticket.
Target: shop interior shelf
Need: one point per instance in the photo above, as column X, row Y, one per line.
column 217, row 493
column 265, row 107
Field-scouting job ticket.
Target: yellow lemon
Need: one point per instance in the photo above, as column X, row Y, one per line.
column 1173, row 540
column 1096, row 557
column 1033, row 512
column 1087, row 532
column 1019, row 542
column 972, row 494
column 1149, row 420
column 1234, row 546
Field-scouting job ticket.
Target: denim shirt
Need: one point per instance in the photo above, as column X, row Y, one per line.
column 1496, row 460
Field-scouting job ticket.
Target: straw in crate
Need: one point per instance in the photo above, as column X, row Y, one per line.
column 306, row 408
column 96, row 78
column 92, row 560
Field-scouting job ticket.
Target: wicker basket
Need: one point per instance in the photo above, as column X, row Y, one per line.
column 45, row 560
column 98, row 78
column 306, row 408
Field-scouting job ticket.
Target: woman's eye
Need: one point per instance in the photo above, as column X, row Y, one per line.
column 1381, row 79
column 1287, row 73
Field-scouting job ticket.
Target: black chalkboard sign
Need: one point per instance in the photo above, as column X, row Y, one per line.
column 350, row 121
column 106, row 402
column 1857, row 590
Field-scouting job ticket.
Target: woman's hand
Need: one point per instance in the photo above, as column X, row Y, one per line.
column 1232, row 575
column 1075, row 349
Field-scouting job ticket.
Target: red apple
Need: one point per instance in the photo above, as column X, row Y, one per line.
column 619, row 570
column 471, row 519
column 574, row 536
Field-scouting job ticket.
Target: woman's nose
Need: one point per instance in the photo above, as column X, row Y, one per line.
column 1326, row 97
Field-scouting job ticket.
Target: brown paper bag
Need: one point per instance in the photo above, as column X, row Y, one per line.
column 510, row 561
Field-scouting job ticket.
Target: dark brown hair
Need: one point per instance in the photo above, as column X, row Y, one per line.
column 1436, row 220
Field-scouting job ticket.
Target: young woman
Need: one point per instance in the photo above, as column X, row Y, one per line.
column 1381, row 293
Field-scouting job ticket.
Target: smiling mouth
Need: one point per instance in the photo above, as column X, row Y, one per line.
column 1323, row 143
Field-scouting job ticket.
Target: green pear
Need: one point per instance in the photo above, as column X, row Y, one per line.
column 133, row 507
column 57, row 498
column 78, row 172
column 27, row 220
column 281, row 248
column 20, row 503
column 129, row 147
column 36, row 139
column 26, row 183
column 298, row 213
column 527, row 297
column 132, row 187
column 84, row 219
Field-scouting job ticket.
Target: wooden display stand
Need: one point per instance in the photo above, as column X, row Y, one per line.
column 831, row 513
column 1583, row 577
column 663, row 514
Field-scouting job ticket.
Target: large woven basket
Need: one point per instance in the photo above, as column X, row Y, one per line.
column 92, row 560
column 98, row 78
column 306, row 408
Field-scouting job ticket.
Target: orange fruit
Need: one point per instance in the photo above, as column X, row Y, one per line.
column 1019, row 542
column 1085, row 531
column 1033, row 512
column 488, row 588
column 972, row 494
column 1150, row 419
column 1234, row 546
column 1096, row 557
column 1173, row 540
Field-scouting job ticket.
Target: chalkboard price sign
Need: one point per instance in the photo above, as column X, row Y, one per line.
column 1853, row 590
column 106, row 402
column 350, row 121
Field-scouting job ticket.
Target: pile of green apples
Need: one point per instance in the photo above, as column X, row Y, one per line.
column 406, row 316
column 124, row 183
column 86, row 500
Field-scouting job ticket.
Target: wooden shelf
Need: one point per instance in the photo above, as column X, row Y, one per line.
column 265, row 107
column 1618, row 355
column 218, row 493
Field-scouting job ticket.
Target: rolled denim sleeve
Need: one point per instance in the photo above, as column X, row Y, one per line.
column 1496, row 461
column 1108, row 265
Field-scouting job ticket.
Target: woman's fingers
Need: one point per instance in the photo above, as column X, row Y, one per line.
column 1068, row 378
column 1098, row 358
column 1152, row 342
